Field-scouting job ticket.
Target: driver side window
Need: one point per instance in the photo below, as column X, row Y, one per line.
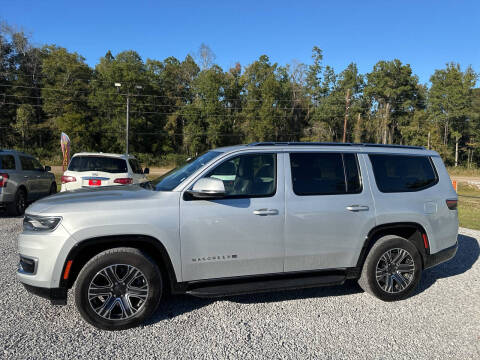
column 249, row 175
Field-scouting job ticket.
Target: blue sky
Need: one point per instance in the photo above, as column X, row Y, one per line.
column 424, row 34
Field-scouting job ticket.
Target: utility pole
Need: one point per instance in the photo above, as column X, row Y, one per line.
column 128, row 114
column 347, row 105
column 428, row 141
column 118, row 85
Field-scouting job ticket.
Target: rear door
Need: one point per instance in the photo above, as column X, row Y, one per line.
column 242, row 233
column 329, row 208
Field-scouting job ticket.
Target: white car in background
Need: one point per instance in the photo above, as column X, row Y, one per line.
column 93, row 170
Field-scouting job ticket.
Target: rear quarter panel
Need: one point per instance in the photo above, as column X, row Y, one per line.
column 425, row 207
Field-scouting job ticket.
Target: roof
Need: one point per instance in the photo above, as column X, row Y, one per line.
column 11, row 151
column 360, row 147
column 120, row 156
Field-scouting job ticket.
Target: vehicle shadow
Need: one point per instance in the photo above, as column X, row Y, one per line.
column 177, row 305
column 5, row 215
column 467, row 254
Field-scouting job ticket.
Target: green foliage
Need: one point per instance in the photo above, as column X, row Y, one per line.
column 178, row 108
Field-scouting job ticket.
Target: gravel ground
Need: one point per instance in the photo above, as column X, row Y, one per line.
column 442, row 321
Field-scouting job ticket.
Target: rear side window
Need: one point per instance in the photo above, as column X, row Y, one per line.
column 98, row 163
column 401, row 173
column 7, row 162
column 27, row 163
column 325, row 173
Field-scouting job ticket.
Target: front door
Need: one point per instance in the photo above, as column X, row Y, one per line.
column 42, row 178
column 330, row 210
column 30, row 178
column 242, row 233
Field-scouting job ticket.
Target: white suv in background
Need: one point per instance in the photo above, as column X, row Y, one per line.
column 102, row 169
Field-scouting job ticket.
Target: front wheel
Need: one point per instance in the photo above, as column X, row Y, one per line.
column 392, row 269
column 53, row 189
column 118, row 289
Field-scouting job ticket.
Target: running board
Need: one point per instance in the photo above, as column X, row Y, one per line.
column 265, row 285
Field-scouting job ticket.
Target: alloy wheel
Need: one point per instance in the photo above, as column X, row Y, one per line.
column 118, row 292
column 395, row 270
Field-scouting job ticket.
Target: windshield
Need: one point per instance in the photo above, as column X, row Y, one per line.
column 98, row 163
column 173, row 178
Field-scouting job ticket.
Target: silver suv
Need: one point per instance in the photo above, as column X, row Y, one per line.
column 23, row 180
column 245, row 219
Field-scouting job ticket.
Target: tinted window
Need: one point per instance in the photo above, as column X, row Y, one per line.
column 324, row 173
column 98, row 163
column 175, row 177
column 350, row 163
column 399, row 173
column 136, row 168
column 36, row 165
column 27, row 163
column 7, row 162
column 249, row 175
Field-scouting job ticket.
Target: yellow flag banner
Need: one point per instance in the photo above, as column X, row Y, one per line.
column 65, row 144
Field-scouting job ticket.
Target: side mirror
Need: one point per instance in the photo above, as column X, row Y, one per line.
column 146, row 171
column 48, row 168
column 208, row 188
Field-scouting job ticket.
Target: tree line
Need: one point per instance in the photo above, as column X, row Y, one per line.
column 183, row 107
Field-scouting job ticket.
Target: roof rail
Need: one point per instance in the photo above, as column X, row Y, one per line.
column 273, row 143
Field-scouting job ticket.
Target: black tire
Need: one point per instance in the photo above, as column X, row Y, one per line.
column 19, row 204
column 53, row 189
column 399, row 290
column 118, row 258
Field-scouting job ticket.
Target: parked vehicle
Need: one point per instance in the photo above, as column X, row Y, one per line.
column 245, row 219
column 23, row 180
column 102, row 169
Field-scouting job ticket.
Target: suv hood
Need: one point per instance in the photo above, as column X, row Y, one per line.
column 81, row 200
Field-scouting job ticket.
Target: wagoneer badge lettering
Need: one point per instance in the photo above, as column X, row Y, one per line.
column 215, row 258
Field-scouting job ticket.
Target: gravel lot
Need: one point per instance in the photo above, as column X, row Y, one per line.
column 442, row 321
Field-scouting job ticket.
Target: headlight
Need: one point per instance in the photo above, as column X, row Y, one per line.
column 40, row 223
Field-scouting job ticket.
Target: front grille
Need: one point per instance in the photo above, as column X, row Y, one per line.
column 26, row 265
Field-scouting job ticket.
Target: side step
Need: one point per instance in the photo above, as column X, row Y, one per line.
column 265, row 285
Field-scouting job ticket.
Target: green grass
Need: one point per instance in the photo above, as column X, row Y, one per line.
column 469, row 206
column 463, row 171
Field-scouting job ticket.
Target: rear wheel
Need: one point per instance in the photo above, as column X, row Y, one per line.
column 118, row 289
column 392, row 269
column 19, row 204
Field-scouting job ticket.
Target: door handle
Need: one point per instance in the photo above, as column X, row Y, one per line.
column 265, row 212
column 38, row 176
column 26, row 177
column 357, row 208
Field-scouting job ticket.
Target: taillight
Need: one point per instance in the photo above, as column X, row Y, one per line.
column 452, row 204
column 123, row 181
column 67, row 179
column 3, row 180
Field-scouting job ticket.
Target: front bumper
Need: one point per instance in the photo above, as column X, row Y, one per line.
column 441, row 256
column 47, row 251
column 57, row 296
